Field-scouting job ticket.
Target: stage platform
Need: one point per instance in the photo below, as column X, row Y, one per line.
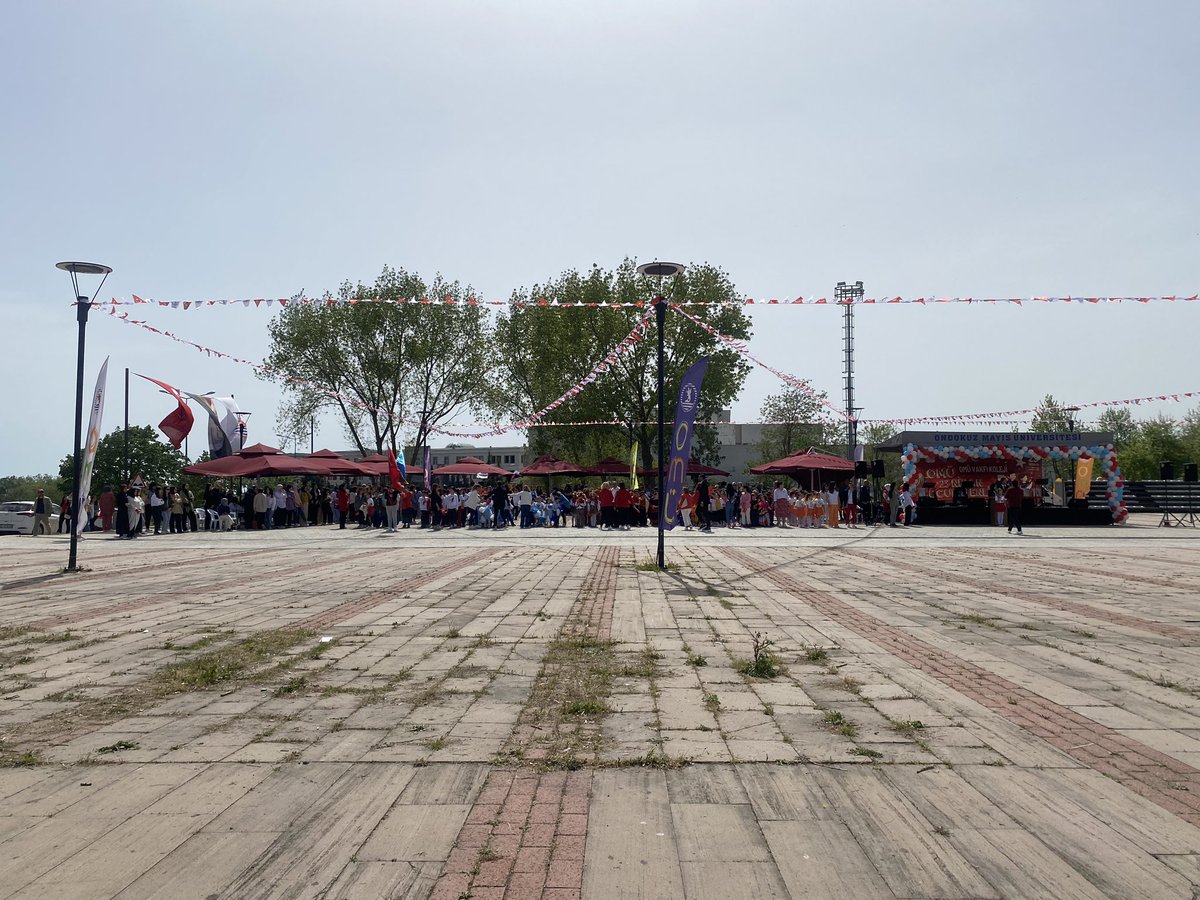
column 1032, row 516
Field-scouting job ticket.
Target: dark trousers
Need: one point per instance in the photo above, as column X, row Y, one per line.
column 1014, row 517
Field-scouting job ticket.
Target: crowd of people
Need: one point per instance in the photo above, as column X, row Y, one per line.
column 137, row 508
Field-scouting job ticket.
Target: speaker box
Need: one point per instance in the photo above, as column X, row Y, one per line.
column 877, row 468
column 1166, row 471
column 1189, row 473
column 862, row 469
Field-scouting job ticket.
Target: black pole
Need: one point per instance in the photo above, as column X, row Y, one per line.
column 125, row 467
column 81, row 315
column 660, row 311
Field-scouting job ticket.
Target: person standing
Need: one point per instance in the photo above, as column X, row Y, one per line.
column 137, row 508
column 907, row 504
column 703, row 505
column 43, row 508
column 1014, row 498
column 108, row 505
column 892, row 494
column 343, row 506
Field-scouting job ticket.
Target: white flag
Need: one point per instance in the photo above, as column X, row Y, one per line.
column 89, row 450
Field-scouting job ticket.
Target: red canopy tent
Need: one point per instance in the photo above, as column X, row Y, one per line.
column 375, row 464
column 814, row 463
column 336, row 464
column 549, row 464
column 695, row 467
column 256, row 461
column 610, row 465
column 471, row 465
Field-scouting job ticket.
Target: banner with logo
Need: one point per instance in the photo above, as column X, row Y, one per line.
column 681, row 440
column 89, row 452
column 1083, row 477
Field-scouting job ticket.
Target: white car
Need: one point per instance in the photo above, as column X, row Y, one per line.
column 16, row 516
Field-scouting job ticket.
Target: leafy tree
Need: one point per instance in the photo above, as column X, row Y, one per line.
column 1121, row 424
column 874, row 436
column 1050, row 415
column 416, row 361
column 804, row 424
column 24, row 487
column 1158, row 440
column 542, row 352
column 149, row 456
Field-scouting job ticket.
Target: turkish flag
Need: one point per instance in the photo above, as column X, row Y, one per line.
column 393, row 470
column 178, row 425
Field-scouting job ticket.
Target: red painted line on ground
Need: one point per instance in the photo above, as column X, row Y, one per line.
column 1161, row 779
column 1071, row 606
column 534, row 825
column 1055, row 566
column 350, row 608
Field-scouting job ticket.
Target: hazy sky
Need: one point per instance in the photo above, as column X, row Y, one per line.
column 246, row 149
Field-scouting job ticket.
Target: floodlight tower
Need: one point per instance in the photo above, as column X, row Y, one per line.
column 848, row 295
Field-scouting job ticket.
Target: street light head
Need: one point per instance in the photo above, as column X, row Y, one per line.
column 658, row 269
column 83, row 268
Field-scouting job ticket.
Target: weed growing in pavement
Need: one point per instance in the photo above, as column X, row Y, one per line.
column 815, row 654
column 852, row 684
column 725, row 603
column 562, row 762
column 26, row 760
column 67, row 696
column 453, row 632
column 838, row 723
column 993, row 762
column 763, row 663
column 651, row 565
column 1083, row 633
column 867, row 752
column 118, row 747
column 484, row 640
column 695, row 659
column 292, row 686
column 651, row 759
column 941, row 831
column 581, row 708
column 908, row 726
column 769, row 709
column 989, row 621
column 712, row 703
column 438, row 743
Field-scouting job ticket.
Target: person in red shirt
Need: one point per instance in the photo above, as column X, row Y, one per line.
column 624, row 507
column 343, row 506
column 1014, row 497
column 606, row 507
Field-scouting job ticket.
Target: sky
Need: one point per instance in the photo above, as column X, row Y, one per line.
column 259, row 149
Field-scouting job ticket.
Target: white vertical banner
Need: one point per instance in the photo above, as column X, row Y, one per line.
column 89, row 450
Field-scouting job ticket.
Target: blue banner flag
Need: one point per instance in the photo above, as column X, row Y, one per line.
column 681, row 440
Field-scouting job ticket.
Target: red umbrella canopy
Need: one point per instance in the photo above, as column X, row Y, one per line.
column 812, row 461
column 256, row 461
column 336, row 464
column 549, row 464
column 695, row 467
column 471, row 465
column 610, row 465
column 375, row 464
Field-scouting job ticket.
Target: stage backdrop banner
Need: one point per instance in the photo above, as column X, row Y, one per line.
column 948, row 474
column 89, row 452
column 681, row 440
column 1083, row 477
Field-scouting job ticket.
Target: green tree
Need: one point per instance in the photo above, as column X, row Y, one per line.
column 542, row 352
column 872, row 437
column 423, row 362
column 1121, row 425
column 1050, row 415
column 1158, row 440
column 24, row 487
column 149, row 456
column 804, row 424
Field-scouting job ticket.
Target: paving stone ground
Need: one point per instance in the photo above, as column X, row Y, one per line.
column 542, row 714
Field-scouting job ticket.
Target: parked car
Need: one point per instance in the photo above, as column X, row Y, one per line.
column 16, row 516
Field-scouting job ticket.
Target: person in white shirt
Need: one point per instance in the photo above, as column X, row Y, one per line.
column 450, row 504
column 472, row 503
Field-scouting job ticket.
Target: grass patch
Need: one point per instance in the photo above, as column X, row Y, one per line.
column 453, row 633
column 908, row 726
column 590, row 707
column 712, row 703
column 651, row 565
column 12, row 632
column 852, row 684
column 438, row 743
column 484, row 640
column 60, row 637
column 26, row 760
column 695, row 659
column 975, row 618
column 228, row 663
column 651, row 759
column 725, row 603
column 645, row 667
column 67, row 696
column 292, row 686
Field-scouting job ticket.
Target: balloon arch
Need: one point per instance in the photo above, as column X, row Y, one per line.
column 932, row 447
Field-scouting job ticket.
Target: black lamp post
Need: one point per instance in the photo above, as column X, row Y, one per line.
column 82, row 306
column 660, row 270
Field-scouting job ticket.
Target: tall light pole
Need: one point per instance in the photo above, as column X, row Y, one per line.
column 848, row 295
column 82, row 306
column 661, row 270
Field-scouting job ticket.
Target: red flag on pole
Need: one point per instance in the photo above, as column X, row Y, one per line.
column 393, row 470
column 178, row 424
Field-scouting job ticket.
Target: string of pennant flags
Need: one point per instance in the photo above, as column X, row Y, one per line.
column 640, row 304
column 626, row 344
column 635, row 336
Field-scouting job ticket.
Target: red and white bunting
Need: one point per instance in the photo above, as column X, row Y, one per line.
column 646, row 304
